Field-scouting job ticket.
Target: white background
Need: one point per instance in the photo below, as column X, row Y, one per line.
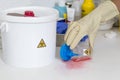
column 4, row 4
column 105, row 64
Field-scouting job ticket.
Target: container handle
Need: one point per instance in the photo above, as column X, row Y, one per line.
column 4, row 27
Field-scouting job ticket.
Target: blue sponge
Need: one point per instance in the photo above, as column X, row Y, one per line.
column 66, row 53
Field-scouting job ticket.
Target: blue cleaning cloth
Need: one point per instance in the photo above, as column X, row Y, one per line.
column 61, row 27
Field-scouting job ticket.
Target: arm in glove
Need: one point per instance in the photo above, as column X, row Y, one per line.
column 89, row 24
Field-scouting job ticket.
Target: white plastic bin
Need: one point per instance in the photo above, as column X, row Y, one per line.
column 29, row 41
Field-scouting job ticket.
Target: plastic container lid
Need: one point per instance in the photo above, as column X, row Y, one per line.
column 42, row 14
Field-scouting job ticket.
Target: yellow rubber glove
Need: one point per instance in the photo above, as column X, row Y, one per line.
column 89, row 24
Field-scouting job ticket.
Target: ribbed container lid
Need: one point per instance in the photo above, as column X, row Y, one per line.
column 41, row 14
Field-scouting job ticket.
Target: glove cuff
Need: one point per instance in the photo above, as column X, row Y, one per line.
column 110, row 10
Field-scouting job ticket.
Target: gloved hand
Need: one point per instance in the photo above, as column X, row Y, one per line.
column 89, row 24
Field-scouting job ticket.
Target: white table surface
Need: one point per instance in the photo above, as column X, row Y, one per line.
column 105, row 65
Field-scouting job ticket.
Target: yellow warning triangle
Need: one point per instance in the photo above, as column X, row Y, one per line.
column 41, row 44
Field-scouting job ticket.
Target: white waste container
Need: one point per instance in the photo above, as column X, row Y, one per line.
column 29, row 41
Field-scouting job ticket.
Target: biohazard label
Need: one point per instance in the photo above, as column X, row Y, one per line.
column 41, row 44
